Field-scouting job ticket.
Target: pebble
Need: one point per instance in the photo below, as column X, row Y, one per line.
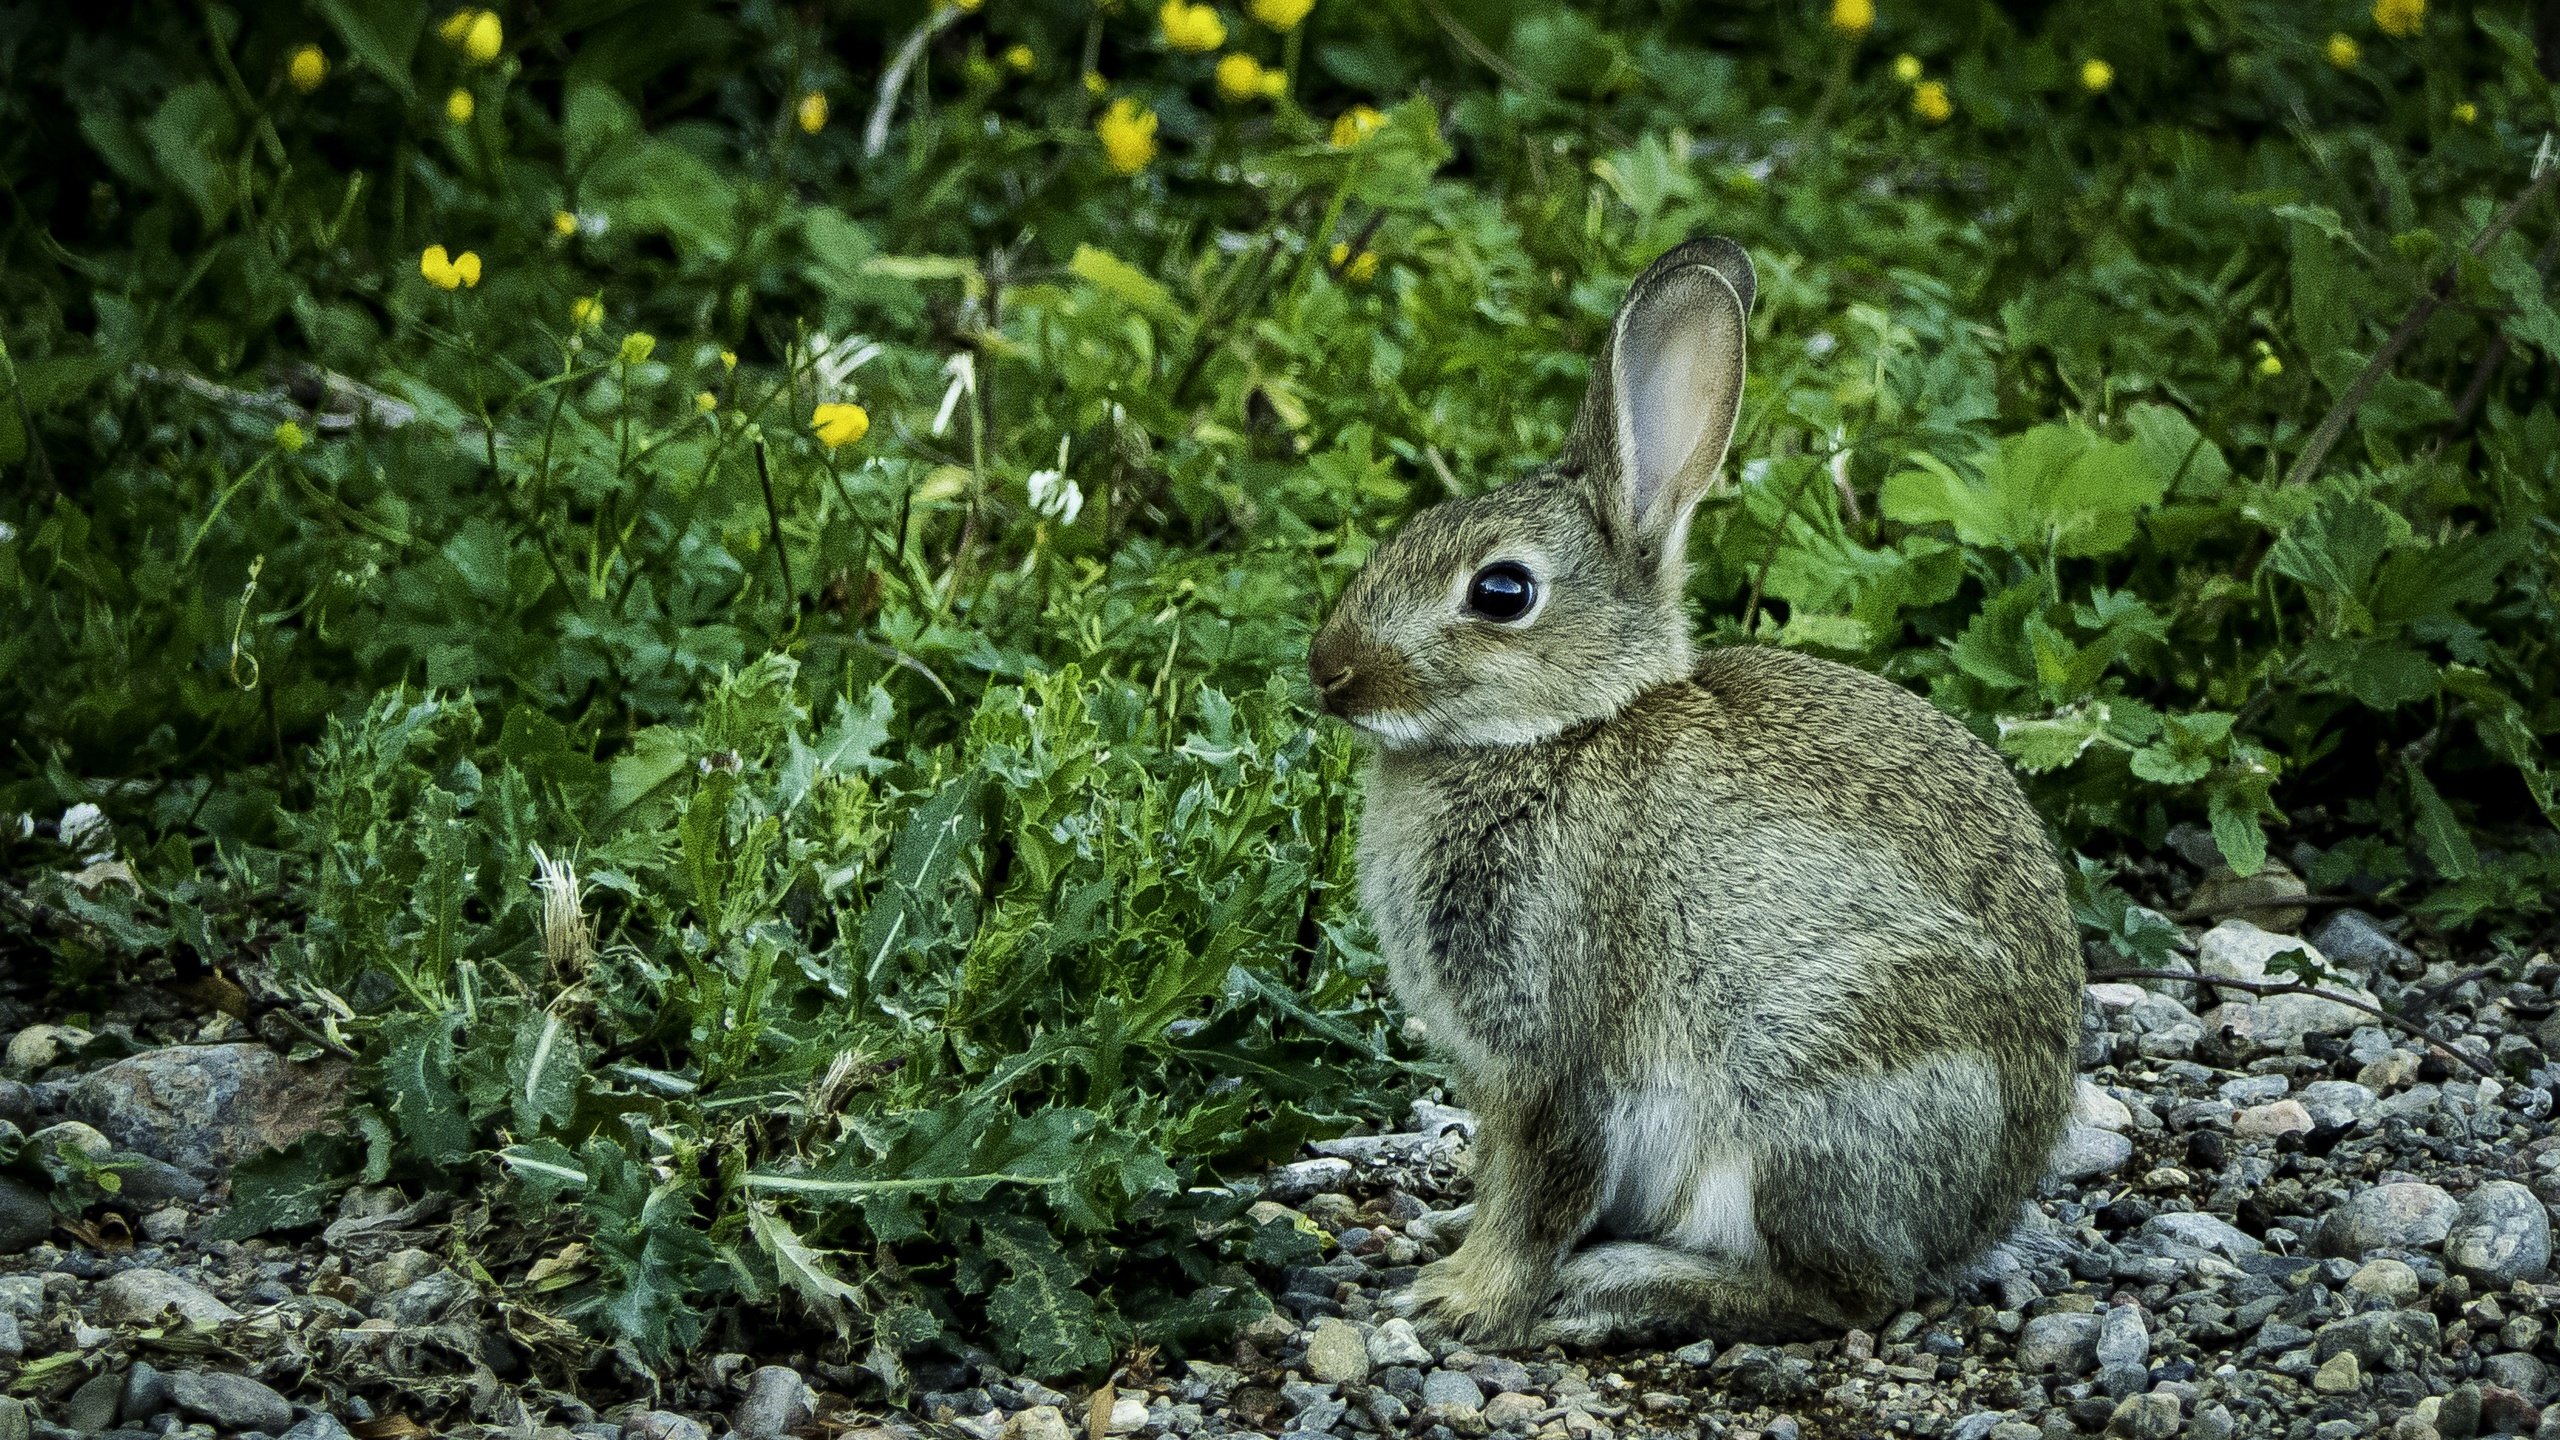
column 1511, row 1410
column 1397, row 1343
column 1129, row 1415
column 2335, row 1104
column 2501, row 1235
column 1337, row 1354
column 2123, row 1338
column 2086, row 1152
column 2338, row 1374
column 1302, row 1178
column 2356, row 940
column 2204, row 1232
column 143, row 1297
column 2064, row 1343
column 232, row 1402
column 327, row 1427
column 778, row 1402
column 1454, row 1389
column 26, row 1216
column 2390, row 1279
column 1040, row 1422
column 2266, row 1122
column 2096, row 1108
column 2403, row 1215
column 204, row 1108
column 2149, row 1416
column 663, row 1425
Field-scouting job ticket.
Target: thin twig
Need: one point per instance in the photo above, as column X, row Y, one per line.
column 2333, row 426
column 773, row 519
column 2296, row 987
column 875, row 133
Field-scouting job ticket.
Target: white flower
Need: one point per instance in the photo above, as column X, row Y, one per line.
column 836, row 360
column 567, row 942
column 87, row 833
column 1053, row 494
column 963, row 370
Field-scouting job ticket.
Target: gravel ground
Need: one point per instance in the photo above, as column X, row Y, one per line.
column 2277, row 1218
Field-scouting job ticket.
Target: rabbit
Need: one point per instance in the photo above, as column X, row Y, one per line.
column 1757, row 969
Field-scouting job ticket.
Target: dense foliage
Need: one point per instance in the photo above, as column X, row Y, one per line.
column 718, row 592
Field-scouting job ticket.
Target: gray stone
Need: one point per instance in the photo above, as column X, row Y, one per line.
column 26, row 1216
column 146, row 1297
column 1397, row 1343
column 2152, row 1416
column 2337, row 1103
column 2404, row 1215
column 2527, row 1375
column 1307, row 1177
column 1455, row 1389
column 2391, row 1279
column 15, row 1422
column 2339, row 1374
column 2267, row 1122
column 1696, row 1352
column 1497, row 1373
column 231, row 1402
column 2203, row 1232
column 2381, row 1340
column 2255, row 1089
column 663, row 1425
column 778, row 1402
column 2213, row 1422
column 13, row 1342
column 206, row 1107
column 1040, row 1422
column 91, row 1410
column 2123, row 1338
column 422, row 1302
column 145, row 1394
column 1336, row 1353
column 2356, row 940
column 2064, row 1343
column 2086, row 1152
column 2501, row 1235
column 1511, row 1410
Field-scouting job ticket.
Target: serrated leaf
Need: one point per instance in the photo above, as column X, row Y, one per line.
column 2052, row 742
column 2447, row 843
column 804, row 1270
column 417, row 1071
column 1038, row 1311
column 287, row 1189
column 543, row 1068
column 2237, row 834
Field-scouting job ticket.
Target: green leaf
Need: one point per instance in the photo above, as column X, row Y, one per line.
column 2056, row 487
column 191, row 136
column 2447, row 843
column 1039, row 1313
column 2335, row 547
column 418, row 1071
column 803, row 1270
column 2237, row 833
column 543, row 1069
column 383, row 34
column 2050, row 743
column 1126, row 282
column 288, row 1189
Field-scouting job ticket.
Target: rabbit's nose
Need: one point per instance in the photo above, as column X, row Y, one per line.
column 1329, row 668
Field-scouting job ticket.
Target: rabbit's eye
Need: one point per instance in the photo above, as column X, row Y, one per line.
column 1503, row 590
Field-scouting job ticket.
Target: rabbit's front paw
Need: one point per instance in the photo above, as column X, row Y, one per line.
column 1474, row 1304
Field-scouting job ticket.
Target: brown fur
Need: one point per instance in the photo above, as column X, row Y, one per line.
column 1757, row 969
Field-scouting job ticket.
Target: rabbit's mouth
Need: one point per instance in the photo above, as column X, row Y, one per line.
column 1363, row 681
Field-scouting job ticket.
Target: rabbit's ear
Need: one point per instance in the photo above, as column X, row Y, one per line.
column 1664, row 397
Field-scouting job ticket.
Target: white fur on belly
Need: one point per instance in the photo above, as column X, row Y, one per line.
column 1666, row 1180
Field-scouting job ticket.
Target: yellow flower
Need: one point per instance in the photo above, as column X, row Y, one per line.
column 2465, row 113
column 840, row 424
column 485, row 37
column 448, row 272
column 637, row 347
column 705, row 401
column 1019, row 59
column 812, row 113
column 1128, row 131
column 563, row 224
column 1355, row 125
column 1239, row 77
column 1853, row 18
column 1280, row 14
column 1359, row 269
column 2096, row 76
column 307, row 68
column 290, row 439
column 728, row 359
column 2270, row 367
column 1275, row 83
column 459, row 107
column 1929, row 101
column 586, row 311
column 2343, row 51
column 1094, row 84
column 2400, row 19
column 1906, row 68
column 457, row 25
column 967, row 7
column 1196, row 28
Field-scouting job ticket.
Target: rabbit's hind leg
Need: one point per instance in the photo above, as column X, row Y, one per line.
column 1633, row 1292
